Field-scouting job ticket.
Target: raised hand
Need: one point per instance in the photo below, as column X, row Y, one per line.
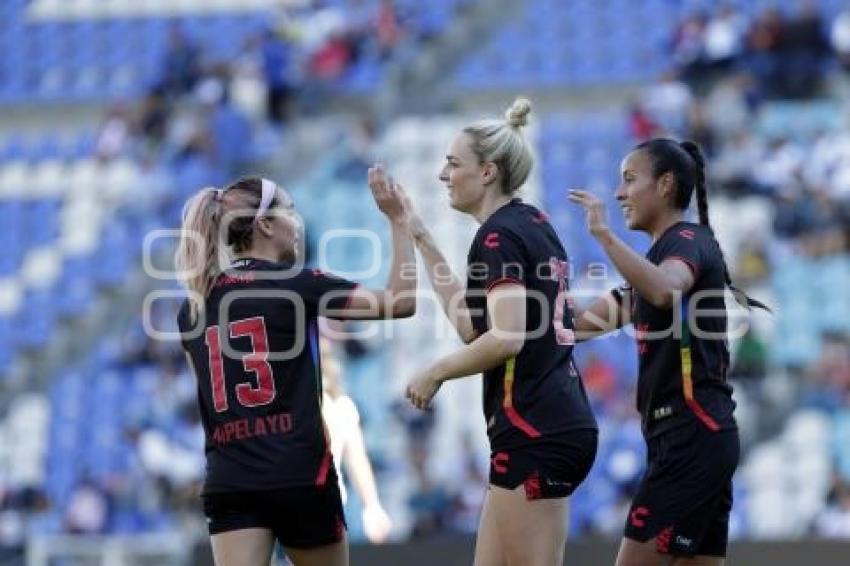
column 388, row 195
column 597, row 220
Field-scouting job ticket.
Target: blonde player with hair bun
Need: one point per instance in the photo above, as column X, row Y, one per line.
column 516, row 324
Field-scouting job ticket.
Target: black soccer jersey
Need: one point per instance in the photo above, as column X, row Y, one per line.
column 683, row 353
column 538, row 393
column 255, row 353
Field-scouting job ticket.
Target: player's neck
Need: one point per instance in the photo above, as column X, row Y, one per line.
column 489, row 205
column 663, row 223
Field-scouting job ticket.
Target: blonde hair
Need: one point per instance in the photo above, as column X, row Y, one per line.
column 501, row 142
column 201, row 238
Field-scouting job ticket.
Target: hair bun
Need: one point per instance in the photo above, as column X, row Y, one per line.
column 517, row 114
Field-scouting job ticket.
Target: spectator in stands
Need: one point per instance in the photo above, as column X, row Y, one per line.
column 12, row 527
column 430, row 502
column 668, row 101
column 601, row 381
column 780, row 165
column 388, row 28
column 152, row 119
column 764, row 43
column 834, row 521
column 358, row 152
column 114, row 134
column 181, row 64
column 840, row 39
column 468, row 493
column 803, row 53
column 230, row 132
column 750, row 357
column 723, row 41
column 701, row 130
column 828, row 165
column 277, row 73
column 641, row 124
column 333, row 58
column 87, row 512
column 730, row 104
column 734, row 166
column 688, row 46
column 248, row 86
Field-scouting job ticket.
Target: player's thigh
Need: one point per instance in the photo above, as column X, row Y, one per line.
column 488, row 543
column 334, row 554
column 634, row 553
column 534, row 530
column 243, row 547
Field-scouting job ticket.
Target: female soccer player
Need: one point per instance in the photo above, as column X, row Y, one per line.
column 347, row 445
column 517, row 327
column 250, row 331
column 680, row 514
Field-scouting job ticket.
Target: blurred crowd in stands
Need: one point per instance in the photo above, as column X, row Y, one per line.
column 726, row 69
column 191, row 130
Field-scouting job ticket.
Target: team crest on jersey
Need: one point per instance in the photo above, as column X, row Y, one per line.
column 491, row 241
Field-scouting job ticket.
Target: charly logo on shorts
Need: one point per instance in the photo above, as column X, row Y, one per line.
column 662, row 412
column 684, row 542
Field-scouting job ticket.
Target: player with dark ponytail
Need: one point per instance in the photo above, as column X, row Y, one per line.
column 672, row 297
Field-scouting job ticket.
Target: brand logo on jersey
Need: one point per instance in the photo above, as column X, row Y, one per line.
column 689, row 234
column 491, row 241
column 500, row 462
column 540, row 218
column 637, row 517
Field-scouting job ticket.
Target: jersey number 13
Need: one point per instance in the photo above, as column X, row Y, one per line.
column 255, row 362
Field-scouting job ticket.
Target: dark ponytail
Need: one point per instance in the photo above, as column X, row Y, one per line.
column 686, row 162
column 702, row 209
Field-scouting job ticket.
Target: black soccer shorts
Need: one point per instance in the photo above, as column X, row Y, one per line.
column 684, row 499
column 548, row 468
column 299, row 517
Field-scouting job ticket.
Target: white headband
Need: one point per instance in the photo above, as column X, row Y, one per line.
column 269, row 189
